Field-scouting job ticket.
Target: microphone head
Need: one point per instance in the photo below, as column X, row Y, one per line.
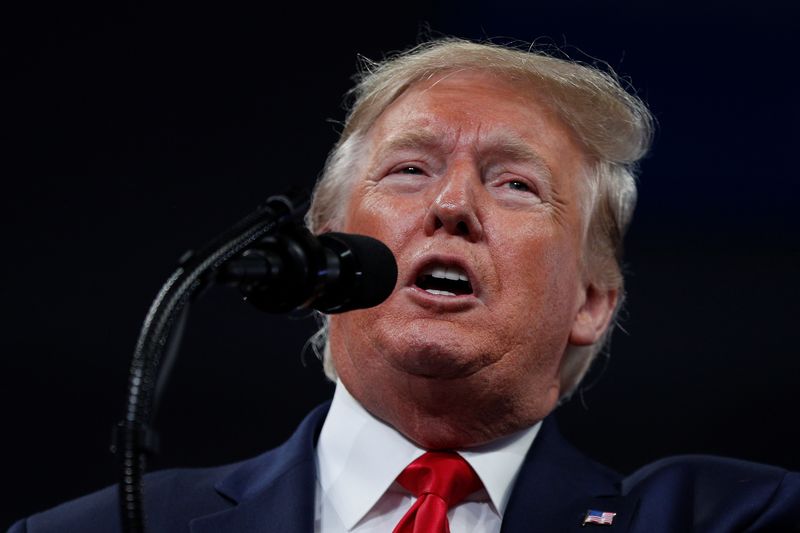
column 367, row 273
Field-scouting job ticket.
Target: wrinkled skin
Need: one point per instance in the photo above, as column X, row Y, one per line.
column 470, row 171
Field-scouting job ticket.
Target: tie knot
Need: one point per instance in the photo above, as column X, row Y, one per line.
column 444, row 474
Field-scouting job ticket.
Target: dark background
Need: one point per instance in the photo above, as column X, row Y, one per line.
column 131, row 133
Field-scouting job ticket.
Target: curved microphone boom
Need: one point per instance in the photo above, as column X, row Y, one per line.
column 279, row 266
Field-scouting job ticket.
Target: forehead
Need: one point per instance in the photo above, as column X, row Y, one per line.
column 482, row 108
column 491, row 116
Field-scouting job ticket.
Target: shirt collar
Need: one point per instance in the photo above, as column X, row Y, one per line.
column 498, row 462
column 359, row 457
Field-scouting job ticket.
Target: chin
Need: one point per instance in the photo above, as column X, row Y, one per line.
column 436, row 363
column 435, row 351
column 442, row 385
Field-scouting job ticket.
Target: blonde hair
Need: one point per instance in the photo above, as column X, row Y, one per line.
column 613, row 126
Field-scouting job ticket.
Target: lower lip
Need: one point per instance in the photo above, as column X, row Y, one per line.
column 441, row 302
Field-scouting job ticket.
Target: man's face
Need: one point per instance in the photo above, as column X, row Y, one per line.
column 475, row 186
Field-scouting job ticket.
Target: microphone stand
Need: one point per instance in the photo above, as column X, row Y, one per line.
column 134, row 438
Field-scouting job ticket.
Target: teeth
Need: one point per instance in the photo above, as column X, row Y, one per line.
column 452, row 272
column 442, row 293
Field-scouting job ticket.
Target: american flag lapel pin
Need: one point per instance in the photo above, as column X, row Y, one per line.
column 603, row 518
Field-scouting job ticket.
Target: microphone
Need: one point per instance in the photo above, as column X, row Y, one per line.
column 293, row 269
column 279, row 266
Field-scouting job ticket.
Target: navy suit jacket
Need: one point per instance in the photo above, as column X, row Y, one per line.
column 274, row 492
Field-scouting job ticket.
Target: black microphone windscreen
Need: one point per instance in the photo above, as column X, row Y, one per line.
column 371, row 266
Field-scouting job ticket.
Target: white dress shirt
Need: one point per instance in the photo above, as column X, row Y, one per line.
column 359, row 457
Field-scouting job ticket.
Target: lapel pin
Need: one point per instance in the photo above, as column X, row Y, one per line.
column 603, row 518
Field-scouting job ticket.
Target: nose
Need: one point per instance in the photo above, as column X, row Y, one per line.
column 454, row 208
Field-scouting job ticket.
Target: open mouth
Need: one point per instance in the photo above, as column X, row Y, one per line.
column 444, row 280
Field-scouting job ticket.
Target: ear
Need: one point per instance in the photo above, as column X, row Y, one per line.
column 593, row 315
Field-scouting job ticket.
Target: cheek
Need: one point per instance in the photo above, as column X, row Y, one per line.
column 540, row 282
column 358, row 345
column 387, row 219
column 531, row 254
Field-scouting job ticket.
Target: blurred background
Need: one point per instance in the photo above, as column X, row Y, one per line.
column 131, row 133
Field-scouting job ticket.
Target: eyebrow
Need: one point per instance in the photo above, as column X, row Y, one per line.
column 409, row 140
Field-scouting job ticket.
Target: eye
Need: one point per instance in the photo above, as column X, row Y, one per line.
column 517, row 185
column 409, row 170
column 515, row 189
column 406, row 177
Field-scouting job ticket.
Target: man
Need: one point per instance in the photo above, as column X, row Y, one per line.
column 502, row 180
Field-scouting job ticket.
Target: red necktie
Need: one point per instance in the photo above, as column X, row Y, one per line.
column 439, row 480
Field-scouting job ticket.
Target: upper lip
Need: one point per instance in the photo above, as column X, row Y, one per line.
column 445, row 260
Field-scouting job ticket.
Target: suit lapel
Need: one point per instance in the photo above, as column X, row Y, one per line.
column 273, row 492
column 557, row 485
